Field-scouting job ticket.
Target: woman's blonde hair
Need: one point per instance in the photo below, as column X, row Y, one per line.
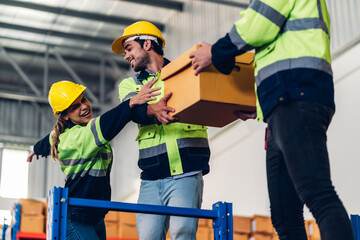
column 59, row 127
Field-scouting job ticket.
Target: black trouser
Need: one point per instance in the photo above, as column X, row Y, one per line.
column 298, row 172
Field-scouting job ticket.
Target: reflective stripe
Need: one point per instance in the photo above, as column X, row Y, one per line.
column 304, row 24
column 152, row 151
column 92, row 172
column 288, row 64
column 268, row 12
column 237, row 40
column 182, row 143
column 193, row 142
column 321, row 16
column 135, row 77
column 95, row 133
column 73, row 162
column 131, row 94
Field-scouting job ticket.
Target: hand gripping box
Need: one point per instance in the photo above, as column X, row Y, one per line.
column 210, row 98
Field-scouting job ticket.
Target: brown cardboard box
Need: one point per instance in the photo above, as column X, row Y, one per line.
column 112, row 216
column 127, row 231
column 204, row 233
column 205, row 222
column 262, row 224
column 112, row 229
column 127, row 218
column 32, row 223
column 241, row 236
column 242, row 224
column 210, row 98
column 259, row 236
column 31, row 207
column 275, row 237
column 314, row 238
column 313, row 228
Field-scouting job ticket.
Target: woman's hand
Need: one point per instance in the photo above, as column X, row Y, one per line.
column 29, row 158
column 146, row 94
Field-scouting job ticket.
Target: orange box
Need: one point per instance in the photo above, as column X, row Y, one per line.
column 127, row 231
column 242, row 224
column 112, row 229
column 112, row 216
column 204, row 233
column 241, row 236
column 205, row 222
column 31, row 207
column 313, row 229
column 127, row 218
column 275, row 237
column 32, row 223
column 262, row 224
column 210, row 98
column 260, row 236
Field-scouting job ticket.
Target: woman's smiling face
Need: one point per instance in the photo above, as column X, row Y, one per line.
column 80, row 111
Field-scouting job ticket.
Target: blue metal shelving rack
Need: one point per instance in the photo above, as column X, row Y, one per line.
column 221, row 213
column 355, row 221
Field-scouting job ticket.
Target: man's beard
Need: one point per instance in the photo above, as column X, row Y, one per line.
column 142, row 62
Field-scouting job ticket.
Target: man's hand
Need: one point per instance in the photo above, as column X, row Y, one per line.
column 146, row 94
column 243, row 115
column 201, row 57
column 160, row 110
column 29, row 158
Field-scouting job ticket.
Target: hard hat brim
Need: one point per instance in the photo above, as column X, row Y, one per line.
column 117, row 45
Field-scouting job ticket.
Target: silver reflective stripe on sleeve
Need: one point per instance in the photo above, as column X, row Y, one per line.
column 268, row 12
column 95, row 133
column 237, row 40
column 128, row 96
column 289, row 64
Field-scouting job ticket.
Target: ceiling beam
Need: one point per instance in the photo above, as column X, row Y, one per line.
column 84, row 59
column 173, row 5
column 48, row 32
column 229, row 3
column 74, row 13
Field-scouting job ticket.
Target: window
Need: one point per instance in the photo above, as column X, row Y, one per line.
column 14, row 174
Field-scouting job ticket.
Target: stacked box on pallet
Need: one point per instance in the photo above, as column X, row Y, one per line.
column 127, row 225
column 32, row 217
column 312, row 230
column 112, row 224
column 241, row 227
column 261, row 228
column 205, row 230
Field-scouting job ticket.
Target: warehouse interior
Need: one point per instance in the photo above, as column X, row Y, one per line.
column 42, row 42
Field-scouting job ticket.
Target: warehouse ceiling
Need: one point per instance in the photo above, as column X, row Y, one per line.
column 44, row 41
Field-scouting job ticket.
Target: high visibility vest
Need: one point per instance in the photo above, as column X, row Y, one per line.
column 166, row 150
column 292, row 44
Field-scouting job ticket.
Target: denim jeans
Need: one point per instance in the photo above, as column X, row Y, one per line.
column 80, row 231
column 298, row 172
column 182, row 192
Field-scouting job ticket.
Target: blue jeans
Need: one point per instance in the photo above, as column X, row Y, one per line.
column 298, row 172
column 80, row 231
column 182, row 192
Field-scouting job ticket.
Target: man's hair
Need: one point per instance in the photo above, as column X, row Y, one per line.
column 157, row 47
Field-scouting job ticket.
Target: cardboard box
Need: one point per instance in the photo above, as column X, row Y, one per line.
column 260, row 236
column 262, row 224
column 127, row 218
column 210, row 98
column 275, row 237
column 31, row 207
column 32, row 223
column 205, row 222
column 242, row 224
column 112, row 229
column 204, row 233
column 241, row 236
column 313, row 229
column 127, row 231
column 112, row 216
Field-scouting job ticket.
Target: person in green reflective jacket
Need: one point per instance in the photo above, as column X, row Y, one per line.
column 81, row 143
column 295, row 93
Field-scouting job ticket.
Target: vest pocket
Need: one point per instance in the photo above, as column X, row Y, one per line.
column 146, row 132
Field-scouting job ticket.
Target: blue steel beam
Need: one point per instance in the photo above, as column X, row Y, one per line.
column 143, row 208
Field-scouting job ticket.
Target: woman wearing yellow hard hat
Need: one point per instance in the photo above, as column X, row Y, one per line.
column 82, row 145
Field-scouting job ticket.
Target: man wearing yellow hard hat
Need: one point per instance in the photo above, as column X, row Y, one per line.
column 173, row 156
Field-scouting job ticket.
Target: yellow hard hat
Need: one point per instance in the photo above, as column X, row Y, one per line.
column 62, row 94
column 141, row 28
